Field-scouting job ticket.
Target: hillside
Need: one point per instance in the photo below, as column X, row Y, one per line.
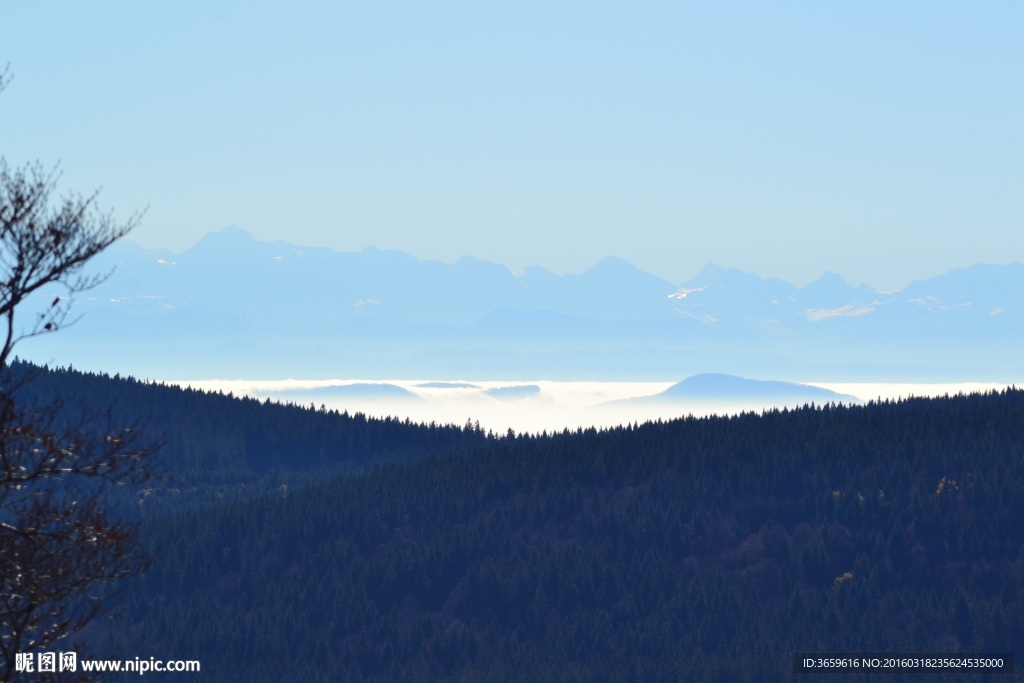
column 694, row 549
column 216, row 445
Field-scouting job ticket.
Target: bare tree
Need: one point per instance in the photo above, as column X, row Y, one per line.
column 43, row 245
column 62, row 551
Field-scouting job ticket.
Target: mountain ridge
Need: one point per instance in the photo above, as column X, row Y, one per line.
column 378, row 307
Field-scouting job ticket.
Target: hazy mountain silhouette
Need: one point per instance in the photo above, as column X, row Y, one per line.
column 360, row 390
column 729, row 387
column 714, row 389
column 237, row 306
column 514, row 392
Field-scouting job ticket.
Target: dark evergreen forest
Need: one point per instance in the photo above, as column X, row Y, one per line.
column 301, row 544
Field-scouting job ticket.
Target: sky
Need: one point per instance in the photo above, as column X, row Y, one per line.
column 879, row 140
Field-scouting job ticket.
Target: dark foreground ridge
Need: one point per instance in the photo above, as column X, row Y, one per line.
column 695, row 549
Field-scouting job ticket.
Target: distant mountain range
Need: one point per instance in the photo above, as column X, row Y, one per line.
column 234, row 306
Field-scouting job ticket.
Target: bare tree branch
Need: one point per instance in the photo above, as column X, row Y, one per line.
column 62, row 551
column 42, row 245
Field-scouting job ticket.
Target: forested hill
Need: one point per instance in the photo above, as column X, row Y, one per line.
column 215, row 442
column 704, row 549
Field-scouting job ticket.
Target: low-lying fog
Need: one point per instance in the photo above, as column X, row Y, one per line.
column 552, row 406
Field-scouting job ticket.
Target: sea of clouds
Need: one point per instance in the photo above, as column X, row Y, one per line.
column 530, row 406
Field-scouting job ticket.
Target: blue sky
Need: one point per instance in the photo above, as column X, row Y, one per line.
column 880, row 140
